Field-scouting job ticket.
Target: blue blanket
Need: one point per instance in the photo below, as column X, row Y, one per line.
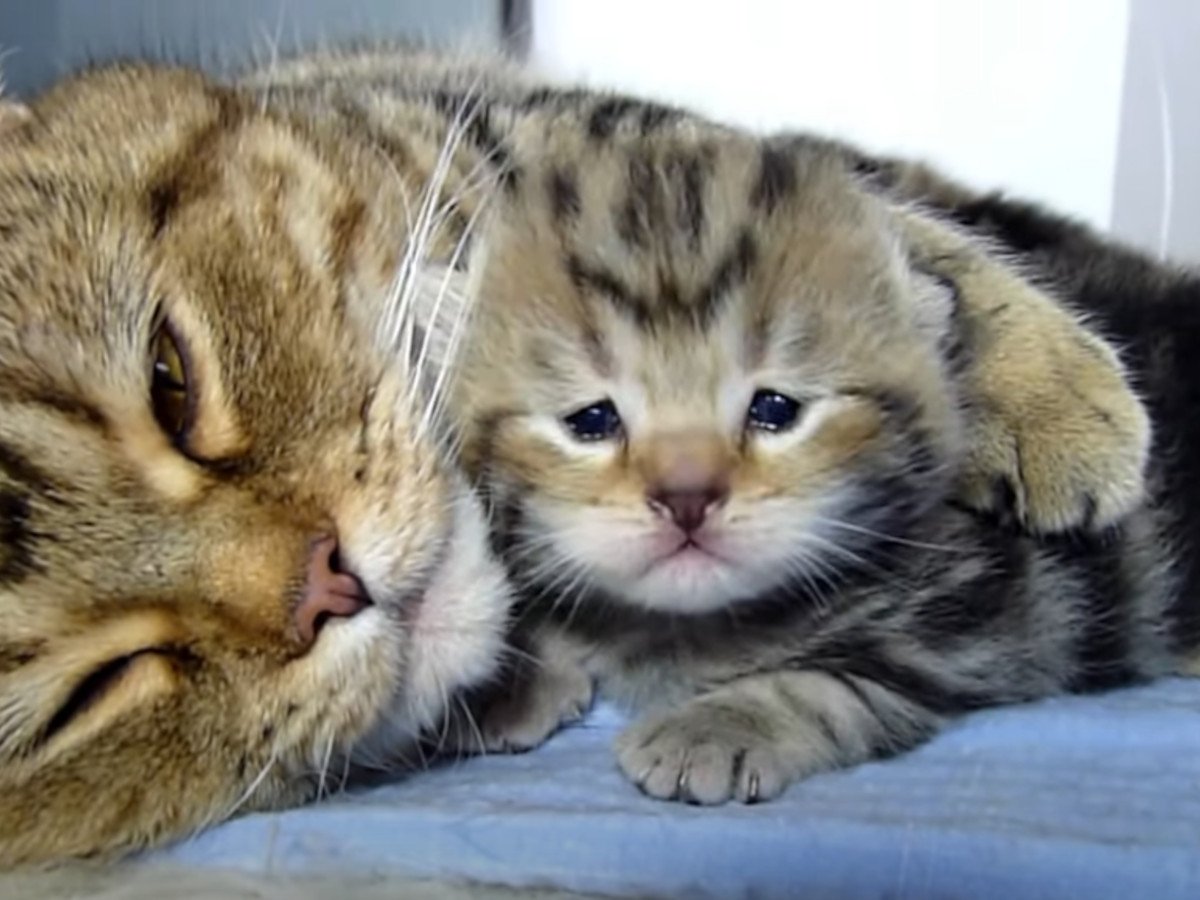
column 1095, row 797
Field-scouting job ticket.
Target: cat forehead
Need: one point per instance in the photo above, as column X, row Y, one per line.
column 102, row 240
column 668, row 228
column 697, row 250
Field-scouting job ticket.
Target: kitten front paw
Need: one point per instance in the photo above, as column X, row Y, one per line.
column 705, row 753
column 538, row 704
column 1060, row 436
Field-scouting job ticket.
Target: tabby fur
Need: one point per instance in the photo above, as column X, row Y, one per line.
column 316, row 235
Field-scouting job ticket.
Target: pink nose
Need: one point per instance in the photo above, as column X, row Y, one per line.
column 328, row 593
column 687, row 509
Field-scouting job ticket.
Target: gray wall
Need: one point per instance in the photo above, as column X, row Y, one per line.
column 1156, row 194
column 43, row 39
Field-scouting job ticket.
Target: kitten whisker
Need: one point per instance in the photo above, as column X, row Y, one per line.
column 884, row 536
column 476, row 731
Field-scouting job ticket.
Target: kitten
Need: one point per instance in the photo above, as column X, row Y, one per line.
column 721, row 396
column 237, row 556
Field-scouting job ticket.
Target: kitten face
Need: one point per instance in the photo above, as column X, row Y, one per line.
column 699, row 386
column 200, row 396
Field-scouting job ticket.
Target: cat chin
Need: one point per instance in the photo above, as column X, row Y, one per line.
column 456, row 630
column 692, row 583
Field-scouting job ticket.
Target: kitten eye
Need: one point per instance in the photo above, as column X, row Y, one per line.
column 170, row 391
column 597, row 422
column 772, row 411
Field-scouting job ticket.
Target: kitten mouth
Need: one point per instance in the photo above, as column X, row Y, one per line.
column 688, row 551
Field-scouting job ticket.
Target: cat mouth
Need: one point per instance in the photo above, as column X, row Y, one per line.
column 689, row 552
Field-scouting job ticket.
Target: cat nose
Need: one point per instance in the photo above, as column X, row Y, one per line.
column 688, row 508
column 328, row 592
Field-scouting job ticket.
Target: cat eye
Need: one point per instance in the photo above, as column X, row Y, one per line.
column 772, row 411
column 170, row 391
column 598, row 422
column 91, row 691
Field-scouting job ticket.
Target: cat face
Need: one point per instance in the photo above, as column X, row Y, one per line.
column 703, row 373
column 232, row 555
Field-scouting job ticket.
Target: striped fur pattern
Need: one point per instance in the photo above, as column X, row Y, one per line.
column 846, row 591
column 314, row 235
column 152, row 678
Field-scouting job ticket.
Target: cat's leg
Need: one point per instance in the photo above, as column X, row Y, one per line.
column 750, row 739
column 549, row 689
column 1058, row 430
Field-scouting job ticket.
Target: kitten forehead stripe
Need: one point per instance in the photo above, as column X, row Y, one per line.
column 607, row 284
column 690, row 173
column 637, row 217
column 731, row 272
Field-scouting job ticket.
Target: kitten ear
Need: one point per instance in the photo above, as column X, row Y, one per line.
column 442, row 309
column 937, row 300
column 13, row 114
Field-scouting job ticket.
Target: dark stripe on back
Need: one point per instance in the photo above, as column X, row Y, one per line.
column 562, row 191
column 607, row 115
column 1102, row 639
column 865, row 657
column 556, row 97
column 968, row 610
column 475, row 116
column 776, row 178
column 654, row 117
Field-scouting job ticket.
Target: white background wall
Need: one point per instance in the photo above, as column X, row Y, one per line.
column 1021, row 94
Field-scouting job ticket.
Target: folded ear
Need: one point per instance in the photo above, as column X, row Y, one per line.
column 12, row 114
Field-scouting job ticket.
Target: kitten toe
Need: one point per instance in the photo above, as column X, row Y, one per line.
column 708, row 776
column 697, row 755
column 761, row 776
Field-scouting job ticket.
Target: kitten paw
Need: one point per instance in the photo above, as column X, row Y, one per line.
column 1060, row 439
column 537, row 706
column 706, row 754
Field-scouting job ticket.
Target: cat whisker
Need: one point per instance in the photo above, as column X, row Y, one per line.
column 429, row 219
column 272, row 41
column 255, row 784
column 884, row 536
column 476, row 731
column 524, row 656
column 404, row 286
column 324, row 768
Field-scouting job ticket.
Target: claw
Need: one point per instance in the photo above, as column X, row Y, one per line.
column 752, row 794
column 681, row 780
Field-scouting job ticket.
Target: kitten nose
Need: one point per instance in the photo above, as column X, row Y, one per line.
column 328, row 592
column 687, row 509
